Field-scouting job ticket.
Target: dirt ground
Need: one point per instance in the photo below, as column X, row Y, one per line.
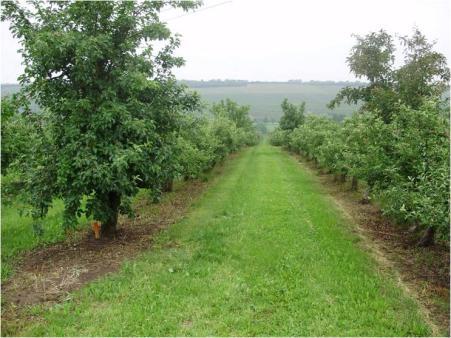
column 423, row 272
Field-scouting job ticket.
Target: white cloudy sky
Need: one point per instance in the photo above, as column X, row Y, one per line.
column 279, row 40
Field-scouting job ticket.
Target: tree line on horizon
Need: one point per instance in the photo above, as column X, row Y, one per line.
column 242, row 83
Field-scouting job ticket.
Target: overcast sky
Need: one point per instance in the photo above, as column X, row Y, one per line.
column 279, row 40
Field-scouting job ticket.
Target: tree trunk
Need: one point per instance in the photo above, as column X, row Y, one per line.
column 428, row 237
column 354, row 183
column 342, row 178
column 167, row 186
column 114, row 201
column 366, row 197
column 413, row 228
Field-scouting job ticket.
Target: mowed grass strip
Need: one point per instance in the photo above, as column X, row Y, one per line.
column 261, row 253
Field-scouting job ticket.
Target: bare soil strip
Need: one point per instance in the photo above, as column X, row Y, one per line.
column 423, row 272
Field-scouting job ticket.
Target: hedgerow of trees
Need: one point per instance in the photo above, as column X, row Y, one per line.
column 398, row 143
column 113, row 118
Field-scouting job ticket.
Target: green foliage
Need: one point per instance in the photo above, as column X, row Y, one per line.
column 425, row 72
column 199, row 143
column 372, row 57
column 234, row 112
column 399, row 142
column 293, row 116
column 112, row 102
column 419, row 188
column 423, row 76
column 366, row 145
column 204, row 141
column 17, row 131
column 332, row 152
column 310, row 136
column 279, row 137
column 405, row 163
column 195, row 146
column 246, row 133
column 225, row 132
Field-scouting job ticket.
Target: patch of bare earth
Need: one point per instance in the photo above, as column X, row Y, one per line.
column 48, row 275
column 424, row 272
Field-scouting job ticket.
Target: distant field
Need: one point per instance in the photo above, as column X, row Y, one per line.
column 264, row 97
column 8, row 89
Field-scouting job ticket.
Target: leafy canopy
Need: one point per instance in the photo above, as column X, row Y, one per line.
column 423, row 76
column 233, row 111
column 293, row 116
column 112, row 101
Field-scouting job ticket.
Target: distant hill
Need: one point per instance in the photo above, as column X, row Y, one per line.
column 8, row 89
column 264, row 97
column 11, row 88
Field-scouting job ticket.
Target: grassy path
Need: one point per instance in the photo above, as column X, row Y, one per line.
column 262, row 253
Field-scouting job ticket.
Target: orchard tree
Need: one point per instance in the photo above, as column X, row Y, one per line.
column 233, row 111
column 423, row 76
column 419, row 191
column 239, row 115
column 17, row 130
column 111, row 99
column 293, row 116
column 371, row 58
column 425, row 73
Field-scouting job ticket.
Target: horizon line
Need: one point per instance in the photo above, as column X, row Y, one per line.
column 244, row 80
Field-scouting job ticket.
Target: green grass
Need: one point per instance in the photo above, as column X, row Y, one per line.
column 261, row 253
column 18, row 236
